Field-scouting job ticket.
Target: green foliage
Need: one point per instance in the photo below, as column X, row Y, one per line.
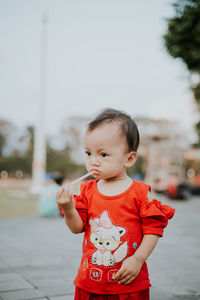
column 2, row 143
column 196, row 92
column 6, row 128
column 182, row 39
column 15, row 161
column 59, row 161
column 138, row 167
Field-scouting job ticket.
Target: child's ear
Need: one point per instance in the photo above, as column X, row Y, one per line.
column 131, row 159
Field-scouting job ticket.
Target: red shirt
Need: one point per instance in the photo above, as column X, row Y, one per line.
column 114, row 227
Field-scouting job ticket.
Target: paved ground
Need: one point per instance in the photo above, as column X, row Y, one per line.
column 39, row 258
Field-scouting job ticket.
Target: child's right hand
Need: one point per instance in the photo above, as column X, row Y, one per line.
column 65, row 200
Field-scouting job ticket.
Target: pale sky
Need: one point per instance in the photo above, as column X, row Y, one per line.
column 100, row 53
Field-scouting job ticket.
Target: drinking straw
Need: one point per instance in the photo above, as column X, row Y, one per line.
column 78, row 179
column 73, row 182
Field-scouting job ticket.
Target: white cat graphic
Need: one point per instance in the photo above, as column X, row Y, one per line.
column 106, row 238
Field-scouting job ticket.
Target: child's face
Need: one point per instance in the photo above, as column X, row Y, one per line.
column 106, row 153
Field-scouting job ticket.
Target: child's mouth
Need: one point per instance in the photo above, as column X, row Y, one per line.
column 95, row 172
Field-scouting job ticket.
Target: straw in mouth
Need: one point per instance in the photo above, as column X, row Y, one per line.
column 78, row 179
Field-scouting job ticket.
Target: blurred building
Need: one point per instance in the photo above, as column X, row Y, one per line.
column 192, row 161
column 162, row 147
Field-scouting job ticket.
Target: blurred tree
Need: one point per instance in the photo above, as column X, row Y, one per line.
column 15, row 161
column 60, row 161
column 138, row 167
column 6, row 128
column 28, row 153
column 57, row 160
column 182, row 40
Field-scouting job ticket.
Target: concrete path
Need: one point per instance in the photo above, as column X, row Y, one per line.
column 39, row 258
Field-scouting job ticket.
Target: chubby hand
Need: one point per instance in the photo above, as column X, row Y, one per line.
column 129, row 270
column 65, row 200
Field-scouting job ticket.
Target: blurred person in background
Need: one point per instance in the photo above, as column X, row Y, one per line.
column 47, row 205
column 177, row 189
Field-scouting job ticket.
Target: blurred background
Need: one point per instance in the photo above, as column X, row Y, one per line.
column 60, row 63
column 63, row 61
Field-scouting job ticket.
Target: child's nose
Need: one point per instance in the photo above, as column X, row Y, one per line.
column 95, row 161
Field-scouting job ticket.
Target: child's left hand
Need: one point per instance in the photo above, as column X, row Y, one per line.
column 129, row 270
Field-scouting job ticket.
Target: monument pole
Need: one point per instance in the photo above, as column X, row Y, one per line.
column 39, row 149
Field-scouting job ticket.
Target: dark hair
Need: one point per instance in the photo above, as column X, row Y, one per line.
column 59, row 180
column 127, row 125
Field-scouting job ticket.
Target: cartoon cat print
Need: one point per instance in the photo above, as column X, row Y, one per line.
column 105, row 236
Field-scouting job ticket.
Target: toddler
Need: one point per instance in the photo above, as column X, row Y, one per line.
column 121, row 226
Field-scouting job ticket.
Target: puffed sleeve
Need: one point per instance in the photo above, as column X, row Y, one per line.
column 81, row 205
column 154, row 215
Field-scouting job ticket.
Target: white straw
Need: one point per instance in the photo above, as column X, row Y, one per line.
column 73, row 182
column 79, row 179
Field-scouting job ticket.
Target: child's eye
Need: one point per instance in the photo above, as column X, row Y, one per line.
column 103, row 154
column 87, row 153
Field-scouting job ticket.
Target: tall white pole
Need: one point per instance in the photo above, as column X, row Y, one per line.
column 39, row 151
